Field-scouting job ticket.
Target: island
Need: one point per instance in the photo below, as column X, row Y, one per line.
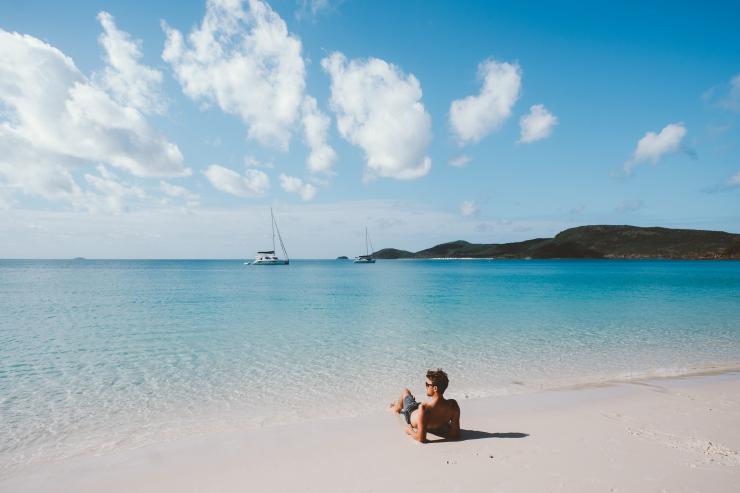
column 592, row 242
column 343, row 257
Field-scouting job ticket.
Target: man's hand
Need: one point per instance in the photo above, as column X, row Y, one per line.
column 419, row 434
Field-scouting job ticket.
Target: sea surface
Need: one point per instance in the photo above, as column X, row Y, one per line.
column 106, row 354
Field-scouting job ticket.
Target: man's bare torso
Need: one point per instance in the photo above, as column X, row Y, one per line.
column 437, row 416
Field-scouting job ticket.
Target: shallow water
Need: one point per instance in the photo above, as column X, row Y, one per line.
column 97, row 355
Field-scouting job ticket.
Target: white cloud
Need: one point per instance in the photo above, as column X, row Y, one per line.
column 537, row 124
column 253, row 162
column 734, row 180
column 653, row 146
column 292, row 184
column 474, row 117
column 113, row 193
column 459, row 161
column 129, row 82
column 177, row 191
column 315, row 127
column 254, row 183
column 56, row 119
column 468, row 208
column 379, row 109
column 246, row 62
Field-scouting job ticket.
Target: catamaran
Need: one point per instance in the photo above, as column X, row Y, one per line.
column 268, row 257
column 368, row 257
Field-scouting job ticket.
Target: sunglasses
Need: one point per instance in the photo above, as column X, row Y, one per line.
column 428, row 384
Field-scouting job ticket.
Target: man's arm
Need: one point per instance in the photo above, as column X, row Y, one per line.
column 455, row 421
column 420, row 434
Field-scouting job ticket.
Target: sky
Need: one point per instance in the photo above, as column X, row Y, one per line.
column 168, row 129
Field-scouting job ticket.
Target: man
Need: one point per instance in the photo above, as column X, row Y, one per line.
column 439, row 416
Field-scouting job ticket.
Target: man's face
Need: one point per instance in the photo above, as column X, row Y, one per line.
column 430, row 388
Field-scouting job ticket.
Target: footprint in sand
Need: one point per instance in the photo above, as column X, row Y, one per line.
column 704, row 449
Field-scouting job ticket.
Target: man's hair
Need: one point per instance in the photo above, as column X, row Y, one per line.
column 438, row 379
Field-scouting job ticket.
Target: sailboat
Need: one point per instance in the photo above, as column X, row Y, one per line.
column 368, row 257
column 268, row 257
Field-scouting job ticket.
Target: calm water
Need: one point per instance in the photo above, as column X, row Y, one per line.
column 96, row 355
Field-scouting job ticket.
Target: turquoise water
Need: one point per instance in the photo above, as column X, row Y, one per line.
column 96, row 355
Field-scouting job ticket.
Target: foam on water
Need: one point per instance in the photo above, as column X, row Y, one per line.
column 99, row 355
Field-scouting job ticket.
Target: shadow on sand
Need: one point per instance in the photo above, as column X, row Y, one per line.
column 477, row 435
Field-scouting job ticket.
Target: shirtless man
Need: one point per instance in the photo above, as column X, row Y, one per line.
column 439, row 416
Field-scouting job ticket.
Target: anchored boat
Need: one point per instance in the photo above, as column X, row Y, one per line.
column 268, row 257
column 368, row 257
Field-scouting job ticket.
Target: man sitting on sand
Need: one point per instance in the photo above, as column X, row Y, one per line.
column 439, row 416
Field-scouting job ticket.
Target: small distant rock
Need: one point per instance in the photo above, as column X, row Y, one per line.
column 343, row 257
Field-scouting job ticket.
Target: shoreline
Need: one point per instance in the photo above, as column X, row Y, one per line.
column 682, row 430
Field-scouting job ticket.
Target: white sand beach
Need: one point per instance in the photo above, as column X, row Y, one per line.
column 677, row 435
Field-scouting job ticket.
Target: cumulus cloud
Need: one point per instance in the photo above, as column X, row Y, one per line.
column 129, row 82
column 177, row 191
column 379, row 109
column 246, row 62
column 292, row 184
column 315, row 127
column 57, row 119
column 113, row 193
column 459, row 161
column 653, row 146
column 469, row 208
column 474, row 117
column 253, row 162
column 254, row 183
column 537, row 124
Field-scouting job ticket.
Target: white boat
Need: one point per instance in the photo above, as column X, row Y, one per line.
column 268, row 257
column 368, row 257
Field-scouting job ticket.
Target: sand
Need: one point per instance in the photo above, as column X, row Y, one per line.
column 677, row 435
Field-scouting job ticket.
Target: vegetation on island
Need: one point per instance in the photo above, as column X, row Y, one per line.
column 617, row 242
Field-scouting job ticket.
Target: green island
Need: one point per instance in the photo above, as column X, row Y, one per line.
column 603, row 241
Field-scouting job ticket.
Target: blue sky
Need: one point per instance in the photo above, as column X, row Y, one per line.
column 557, row 116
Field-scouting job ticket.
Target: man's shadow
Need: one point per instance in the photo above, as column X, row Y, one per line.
column 477, row 435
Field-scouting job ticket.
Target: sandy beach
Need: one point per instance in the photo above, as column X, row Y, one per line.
column 674, row 435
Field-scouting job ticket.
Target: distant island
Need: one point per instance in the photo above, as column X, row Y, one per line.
column 615, row 242
column 343, row 257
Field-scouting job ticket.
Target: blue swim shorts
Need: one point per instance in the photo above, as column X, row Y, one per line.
column 409, row 406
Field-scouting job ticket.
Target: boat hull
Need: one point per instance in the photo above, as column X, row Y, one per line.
column 364, row 261
column 271, row 262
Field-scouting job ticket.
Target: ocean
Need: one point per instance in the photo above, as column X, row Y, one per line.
column 97, row 355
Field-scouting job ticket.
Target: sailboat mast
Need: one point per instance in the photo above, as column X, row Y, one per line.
column 367, row 251
column 272, row 223
column 275, row 228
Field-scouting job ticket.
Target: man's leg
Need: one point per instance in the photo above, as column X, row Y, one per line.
column 396, row 408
